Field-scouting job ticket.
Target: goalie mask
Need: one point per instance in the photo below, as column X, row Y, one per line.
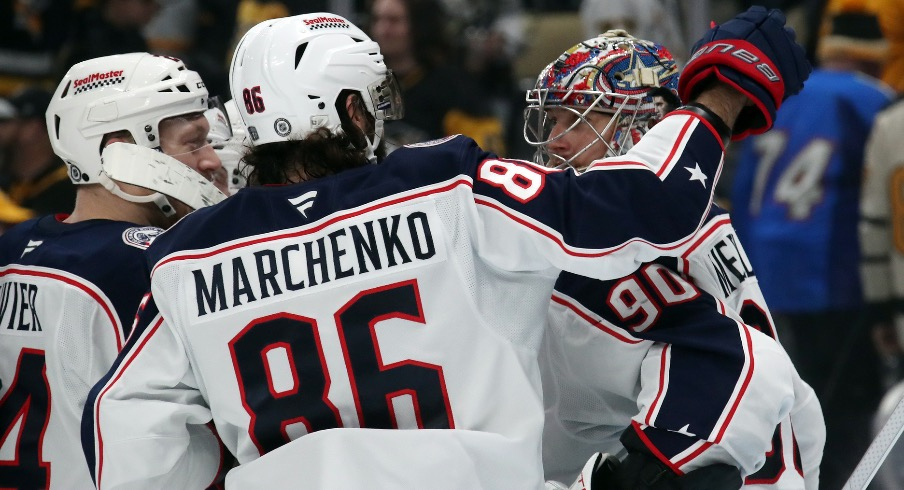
column 288, row 73
column 616, row 74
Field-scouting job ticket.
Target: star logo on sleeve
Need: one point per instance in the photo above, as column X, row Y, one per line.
column 697, row 174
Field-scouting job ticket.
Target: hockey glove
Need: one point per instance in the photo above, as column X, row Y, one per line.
column 754, row 53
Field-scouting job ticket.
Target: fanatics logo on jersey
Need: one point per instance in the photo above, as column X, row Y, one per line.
column 304, row 202
column 141, row 237
column 32, row 244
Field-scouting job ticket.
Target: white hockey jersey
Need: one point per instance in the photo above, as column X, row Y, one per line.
column 687, row 382
column 308, row 321
column 68, row 297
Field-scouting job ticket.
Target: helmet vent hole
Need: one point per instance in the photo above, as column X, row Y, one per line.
column 166, row 90
column 167, row 78
column 183, row 88
column 66, row 90
column 299, row 52
column 56, row 123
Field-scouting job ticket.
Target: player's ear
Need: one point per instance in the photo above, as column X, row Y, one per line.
column 354, row 108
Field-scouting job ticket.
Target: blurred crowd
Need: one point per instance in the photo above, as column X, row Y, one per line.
column 464, row 66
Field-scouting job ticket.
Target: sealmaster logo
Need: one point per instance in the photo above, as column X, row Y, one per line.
column 320, row 20
column 97, row 76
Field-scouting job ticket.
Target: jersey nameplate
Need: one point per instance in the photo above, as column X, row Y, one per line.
column 374, row 244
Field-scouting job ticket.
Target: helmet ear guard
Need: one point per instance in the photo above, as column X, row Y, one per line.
column 156, row 171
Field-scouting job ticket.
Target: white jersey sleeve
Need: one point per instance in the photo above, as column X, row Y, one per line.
column 719, row 265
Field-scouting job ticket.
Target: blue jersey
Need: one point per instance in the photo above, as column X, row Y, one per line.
column 68, row 297
column 795, row 201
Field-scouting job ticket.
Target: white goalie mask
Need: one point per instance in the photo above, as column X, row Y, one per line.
column 288, row 73
column 613, row 73
column 129, row 92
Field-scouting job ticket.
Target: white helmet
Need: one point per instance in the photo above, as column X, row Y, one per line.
column 228, row 137
column 132, row 92
column 287, row 74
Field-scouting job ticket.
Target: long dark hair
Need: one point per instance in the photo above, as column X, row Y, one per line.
column 319, row 154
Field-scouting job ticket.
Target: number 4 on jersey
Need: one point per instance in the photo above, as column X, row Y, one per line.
column 24, row 413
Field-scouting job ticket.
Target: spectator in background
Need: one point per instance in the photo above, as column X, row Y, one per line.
column 32, row 175
column 10, row 212
column 882, row 263
column 891, row 20
column 795, row 206
column 32, row 33
column 491, row 36
column 109, row 27
column 441, row 98
column 647, row 19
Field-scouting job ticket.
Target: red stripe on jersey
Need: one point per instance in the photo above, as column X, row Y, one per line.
column 697, row 452
column 748, row 352
column 122, row 369
column 87, row 288
column 595, row 322
column 656, row 452
column 705, row 123
column 670, row 160
column 558, row 241
column 455, row 183
column 663, row 369
column 709, row 228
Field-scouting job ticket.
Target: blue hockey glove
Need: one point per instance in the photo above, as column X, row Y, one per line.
column 756, row 54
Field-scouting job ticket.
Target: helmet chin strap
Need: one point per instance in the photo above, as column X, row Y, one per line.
column 370, row 151
column 161, row 173
column 157, row 198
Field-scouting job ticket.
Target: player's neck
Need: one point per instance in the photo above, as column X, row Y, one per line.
column 95, row 202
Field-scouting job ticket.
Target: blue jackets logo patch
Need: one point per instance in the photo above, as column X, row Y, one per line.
column 141, row 236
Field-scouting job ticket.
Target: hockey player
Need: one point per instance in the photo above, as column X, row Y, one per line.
column 673, row 319
column 363, row 298
column 70, row 285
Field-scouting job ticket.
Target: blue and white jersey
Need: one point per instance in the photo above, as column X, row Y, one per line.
column 305, row 320
column 688, row 343
column 68, row 298
column 796, row 194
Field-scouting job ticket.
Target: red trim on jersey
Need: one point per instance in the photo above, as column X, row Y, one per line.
column 351, row 214
column 598, row 323
column 86, row 287
column 23, row 414
column 663, row 369
column 121, row 370
column 749, row 354
column 702, row 236
column 670, row 160
column 653, row 450
column 562, row 245
column 697, row 452
column 702, row 120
